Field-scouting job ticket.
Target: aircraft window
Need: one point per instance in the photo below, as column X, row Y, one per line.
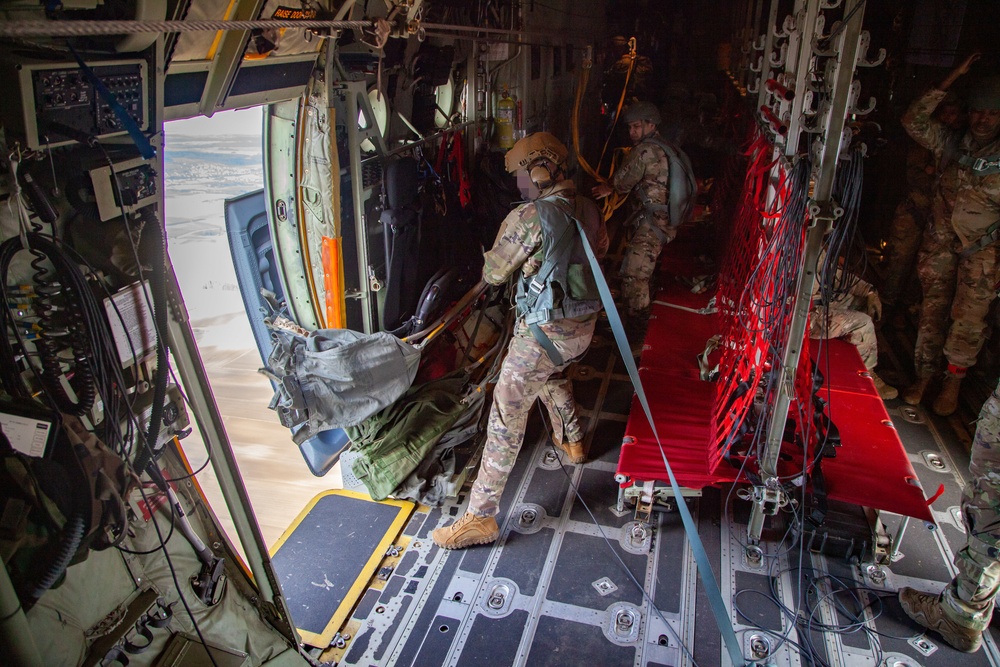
column 444, row 96
column 380, row 108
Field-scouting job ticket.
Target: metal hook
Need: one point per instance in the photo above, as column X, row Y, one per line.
column 786, row 29
column 807, row 102
column 864, row 42
column 782, row 56
column 854, row 95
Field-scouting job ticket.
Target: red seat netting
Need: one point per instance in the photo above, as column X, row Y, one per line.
column 709, row 431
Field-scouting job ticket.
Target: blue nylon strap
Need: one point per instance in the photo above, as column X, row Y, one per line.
column 146, row 149
column 701, row 558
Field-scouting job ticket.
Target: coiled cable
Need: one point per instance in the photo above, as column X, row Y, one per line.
column 65, row 333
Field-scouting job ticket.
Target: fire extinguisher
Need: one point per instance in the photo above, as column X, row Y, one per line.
column 505, row 120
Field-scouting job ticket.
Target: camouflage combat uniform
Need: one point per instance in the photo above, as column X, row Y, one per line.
column 909, row 221
column 968, row 600
column 527, row 371
column 845, row 318
column 965, row 205
column 646, row 169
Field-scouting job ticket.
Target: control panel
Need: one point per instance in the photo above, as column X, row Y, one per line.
column 63, row 106
column 130, row 186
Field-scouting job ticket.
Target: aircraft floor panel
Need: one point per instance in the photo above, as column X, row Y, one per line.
column 493, row 642
column 552, row 591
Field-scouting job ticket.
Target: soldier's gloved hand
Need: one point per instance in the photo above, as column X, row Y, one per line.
column 874, row 306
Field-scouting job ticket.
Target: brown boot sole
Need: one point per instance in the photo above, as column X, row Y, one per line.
column 487, row 539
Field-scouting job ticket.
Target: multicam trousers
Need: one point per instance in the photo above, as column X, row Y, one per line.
column 905, row 235
column 960, row 287
column 640, row 261
column 527, row 373
column 968, row 600
column 841, row 321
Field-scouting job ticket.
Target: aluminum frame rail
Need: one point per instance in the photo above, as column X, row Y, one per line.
column 823, row 210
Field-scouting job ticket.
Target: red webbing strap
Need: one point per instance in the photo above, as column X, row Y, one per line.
column 451, row 144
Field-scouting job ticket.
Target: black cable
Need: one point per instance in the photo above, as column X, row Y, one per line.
column 846, row 20
column 118, row 378
column 152, row 517
column 173, row 574
column 102, row 360
column 190, row 474
column 144, row 459
column 624, row 567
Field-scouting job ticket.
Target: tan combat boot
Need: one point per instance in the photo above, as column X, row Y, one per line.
column 573, row 450
column 947, row 401
column 926, row 610
column 465, row 532
column 885, row 392
column 915, row 392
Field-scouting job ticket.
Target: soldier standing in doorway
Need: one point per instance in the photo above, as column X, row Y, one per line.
column 557, row 305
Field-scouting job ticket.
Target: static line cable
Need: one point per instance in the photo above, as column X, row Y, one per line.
column 597, row 524
column 497, row 31
column 89, row 28
column 122, row 27
column 709, row 583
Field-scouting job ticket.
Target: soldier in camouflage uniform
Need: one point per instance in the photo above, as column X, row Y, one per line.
column 646, row 171
column 914, row 211
column 962, row 611
column 851, row 316
column 958, row 261
column 530, row 370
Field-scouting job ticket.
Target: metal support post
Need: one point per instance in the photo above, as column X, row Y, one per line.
column 822, row 212
column 192, row 371
column 897, row 539
column 769, row 28
column 745, row 73
column 800, row 45
column 470, row 104
column 360, row 228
